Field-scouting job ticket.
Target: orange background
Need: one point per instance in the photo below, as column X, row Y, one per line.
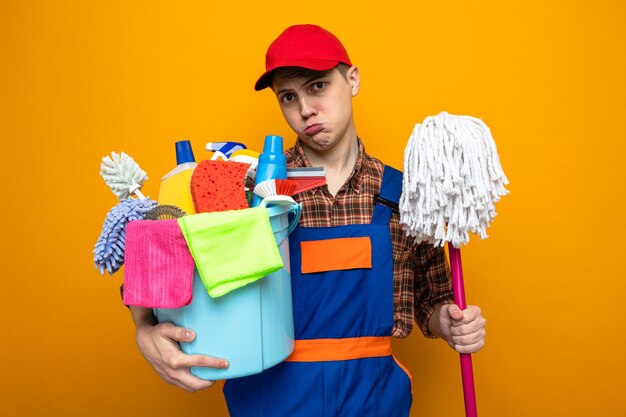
column 79, row 80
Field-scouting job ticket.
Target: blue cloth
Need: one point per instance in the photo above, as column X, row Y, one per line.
column 336, row 304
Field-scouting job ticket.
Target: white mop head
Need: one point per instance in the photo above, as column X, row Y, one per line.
column 453, row 177
column 123, row 175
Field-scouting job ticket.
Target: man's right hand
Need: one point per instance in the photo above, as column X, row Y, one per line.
column 159, row 344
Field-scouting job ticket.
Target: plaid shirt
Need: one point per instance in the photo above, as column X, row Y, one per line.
column 421, row 277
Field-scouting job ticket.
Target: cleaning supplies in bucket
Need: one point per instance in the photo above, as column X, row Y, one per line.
column 307, row 178
column 272, row 163
column 224, row 150
column 252, row 326
column 249, row 157
column 124, row 176
column 175, row 185
column 159, row 267
column 253, row 297
column 110, row 247
column 273, row 187
column 219, row 186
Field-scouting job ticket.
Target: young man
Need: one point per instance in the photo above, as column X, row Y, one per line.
column 347, row 308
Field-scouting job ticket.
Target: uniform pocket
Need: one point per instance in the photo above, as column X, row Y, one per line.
column 336, row 254
column 403, row 369
column 332, row 287
column 397, row 392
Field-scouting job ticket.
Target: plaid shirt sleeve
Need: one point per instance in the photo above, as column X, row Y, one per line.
column 421, row 282
column 433, row 286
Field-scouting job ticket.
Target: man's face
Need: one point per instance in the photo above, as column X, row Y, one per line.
column 319, row 108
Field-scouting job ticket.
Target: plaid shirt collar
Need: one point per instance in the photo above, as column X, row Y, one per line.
column 300, row 160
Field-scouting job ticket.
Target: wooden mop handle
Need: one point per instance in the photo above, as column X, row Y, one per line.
column 467, row 372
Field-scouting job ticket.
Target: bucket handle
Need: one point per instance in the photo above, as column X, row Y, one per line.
column 281, row 204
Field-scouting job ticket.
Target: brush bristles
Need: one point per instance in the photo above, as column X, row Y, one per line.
column 164, row 212
column 122, row 174
column 274, row 187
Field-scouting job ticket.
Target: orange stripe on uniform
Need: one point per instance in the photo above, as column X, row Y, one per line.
column 320, row 350
column 336, row 254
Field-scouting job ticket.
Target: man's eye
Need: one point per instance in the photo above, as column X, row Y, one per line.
column 319, row 85
column 287, row 98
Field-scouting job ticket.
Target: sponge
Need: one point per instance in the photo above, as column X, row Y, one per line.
column 219, row 186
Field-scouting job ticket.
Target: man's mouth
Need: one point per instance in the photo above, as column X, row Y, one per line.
column 313, row 129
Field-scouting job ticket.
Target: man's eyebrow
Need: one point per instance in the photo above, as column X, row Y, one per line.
column 305, row 82
column 313, row 78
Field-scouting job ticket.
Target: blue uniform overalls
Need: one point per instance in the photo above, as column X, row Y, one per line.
column 342, row 363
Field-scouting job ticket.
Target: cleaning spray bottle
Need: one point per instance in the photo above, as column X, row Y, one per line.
column 251, row 157
column 272, row 163
column 224, row 150
column 175, row 185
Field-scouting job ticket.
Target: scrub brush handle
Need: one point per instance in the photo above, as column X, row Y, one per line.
column 467, row 372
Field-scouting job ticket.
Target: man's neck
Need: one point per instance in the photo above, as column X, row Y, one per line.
column 338, row 162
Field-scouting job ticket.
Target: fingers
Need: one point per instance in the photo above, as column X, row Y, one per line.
column 467, row 329
column 472, row 327
column 179, row 334
column 176, row 369
column 180, row 360
column 185, row 380
column 473, row 348
column 162, row 350
column 455, row 313
column 469, row 339
column 460, row 317
column 175, row 359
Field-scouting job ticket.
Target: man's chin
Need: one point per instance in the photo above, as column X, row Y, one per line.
column 320, row 146
column 317, row 142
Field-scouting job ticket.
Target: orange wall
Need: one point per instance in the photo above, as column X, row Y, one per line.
column 81, row 79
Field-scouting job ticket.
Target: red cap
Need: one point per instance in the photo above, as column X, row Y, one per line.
column 306, row 46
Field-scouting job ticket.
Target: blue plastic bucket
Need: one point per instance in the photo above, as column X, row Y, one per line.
column 252, row 326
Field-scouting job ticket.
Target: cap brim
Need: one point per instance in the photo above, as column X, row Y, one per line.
column 265, row 80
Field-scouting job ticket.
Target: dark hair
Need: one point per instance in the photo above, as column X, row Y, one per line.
column 293, row 72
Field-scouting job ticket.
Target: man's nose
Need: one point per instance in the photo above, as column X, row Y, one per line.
column 307, row 109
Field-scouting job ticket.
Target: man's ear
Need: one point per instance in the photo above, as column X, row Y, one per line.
column 354, row 79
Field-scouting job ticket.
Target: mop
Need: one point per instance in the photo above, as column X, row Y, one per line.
column 452, row 179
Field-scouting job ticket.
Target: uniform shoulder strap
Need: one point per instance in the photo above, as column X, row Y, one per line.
column 387, row 200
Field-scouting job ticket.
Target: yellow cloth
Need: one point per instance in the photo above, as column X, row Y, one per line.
column 231, row 248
